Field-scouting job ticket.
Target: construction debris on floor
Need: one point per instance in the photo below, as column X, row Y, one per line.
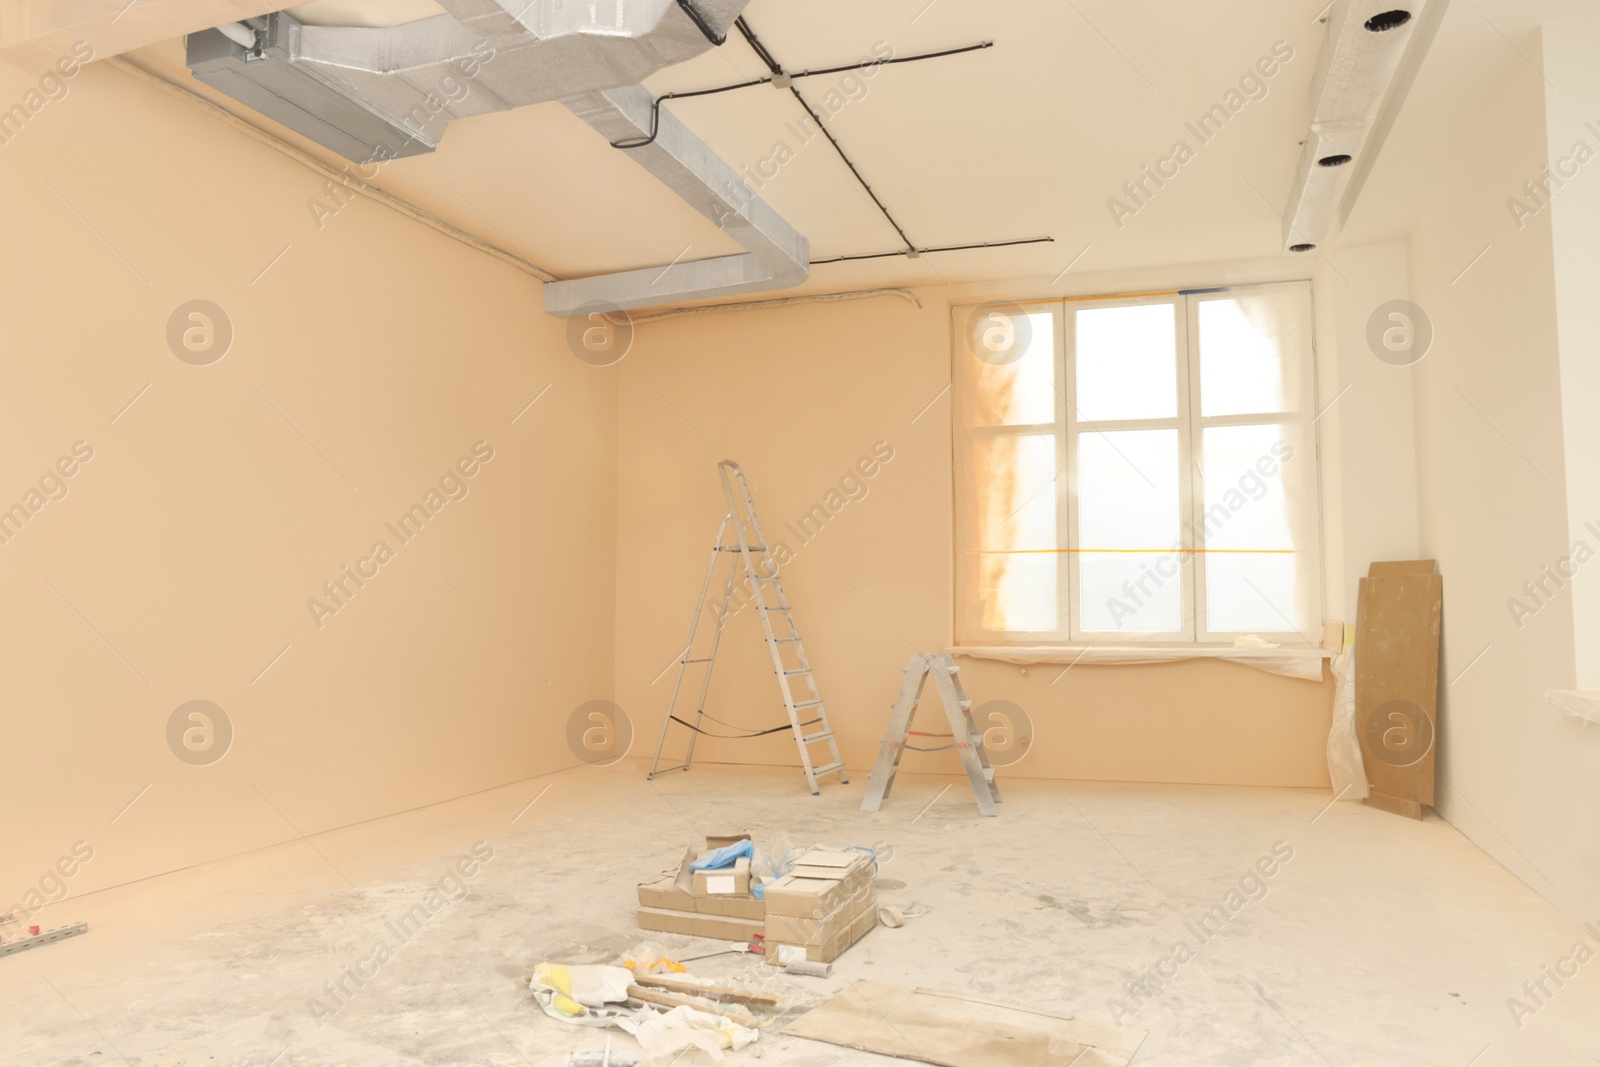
column 953, row 1030
column 801, row 906
column 622, row 997
column 798, row 909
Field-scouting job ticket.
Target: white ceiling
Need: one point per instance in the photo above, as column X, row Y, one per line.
column 1026, row 139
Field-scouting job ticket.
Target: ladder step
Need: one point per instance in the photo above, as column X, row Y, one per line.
column 814, row 738
column 736, row 548
column 705, row 659
column 802, row 670
column 786, row 640
column 807, row 704
column 828, row 769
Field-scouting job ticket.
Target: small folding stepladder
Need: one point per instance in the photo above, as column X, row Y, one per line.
column 965, row 736
column 753, row 561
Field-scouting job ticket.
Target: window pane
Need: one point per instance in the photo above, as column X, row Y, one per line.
column 1016, row 548
column 1253, row 484
column 1127, row 361
column 1252, row 347
column 1128, row 520
column 1015, row 391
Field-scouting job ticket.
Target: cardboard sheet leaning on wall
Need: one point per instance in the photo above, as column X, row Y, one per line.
column 1398, row 611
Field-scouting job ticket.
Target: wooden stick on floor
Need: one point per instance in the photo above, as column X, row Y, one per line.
column 715, row 992
column 672, row 1000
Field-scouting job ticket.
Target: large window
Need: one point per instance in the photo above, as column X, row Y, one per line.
column 1138, row 469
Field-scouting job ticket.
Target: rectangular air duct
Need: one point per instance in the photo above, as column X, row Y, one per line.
column 373, row 94
column 266, row 79
column 1356, row 71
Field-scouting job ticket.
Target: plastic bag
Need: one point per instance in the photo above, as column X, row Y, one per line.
column 587, row 995
column 772, row 863
column 648, row 957
column 1345, row 767
column 669, row 1033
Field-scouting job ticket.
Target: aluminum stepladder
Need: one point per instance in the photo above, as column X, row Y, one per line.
column 967, row 739
column 753, row 561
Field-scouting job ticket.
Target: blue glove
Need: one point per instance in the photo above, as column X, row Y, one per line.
column 724, row 857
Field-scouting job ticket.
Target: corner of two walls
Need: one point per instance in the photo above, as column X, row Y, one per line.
column 181, row 562
column 1495, row 406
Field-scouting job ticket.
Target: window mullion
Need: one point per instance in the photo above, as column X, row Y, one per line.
column 1195, row 572
column 1067, row 403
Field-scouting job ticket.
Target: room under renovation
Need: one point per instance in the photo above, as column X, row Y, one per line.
column 660, row 533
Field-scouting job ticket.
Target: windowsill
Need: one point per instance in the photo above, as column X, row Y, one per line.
column 1294, row 661
column 1172, row 649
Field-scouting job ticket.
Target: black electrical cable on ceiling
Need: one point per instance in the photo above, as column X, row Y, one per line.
column 655, row 107
column 777, row 70
column 940, row 248
column 704, row 26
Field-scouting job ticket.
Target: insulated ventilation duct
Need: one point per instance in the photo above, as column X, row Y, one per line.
column 1358, row 67
column 375, row 94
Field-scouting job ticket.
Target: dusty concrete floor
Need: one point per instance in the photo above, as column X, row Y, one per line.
column 1382, row 941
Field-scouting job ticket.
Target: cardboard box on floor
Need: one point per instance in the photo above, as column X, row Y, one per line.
column 821, row 908
column 714, row 904
column 717, row 927
column 1397, row 682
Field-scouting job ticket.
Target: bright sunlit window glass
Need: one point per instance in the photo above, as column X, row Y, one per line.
column 1138, row 469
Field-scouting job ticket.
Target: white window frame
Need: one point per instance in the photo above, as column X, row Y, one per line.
column 1190, row 426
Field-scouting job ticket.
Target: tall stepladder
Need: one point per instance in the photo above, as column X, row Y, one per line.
column 752, row 566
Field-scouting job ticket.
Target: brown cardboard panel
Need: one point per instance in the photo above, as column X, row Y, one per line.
column 730, row 907
column 1401, row 566
column 829, row 950
column 724, row 840
column 663, row 891
column 803, row 931
column 1411, row 809
column 675, row 890
column 727, row 882
column 672, row 889
column 667, row 922
column 953, row 1030
column 1397, row 683
column 812, row 898
column 803, row 897
column 692, row 924
column 821, row 857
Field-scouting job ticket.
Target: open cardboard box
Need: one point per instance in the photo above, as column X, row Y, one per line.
column 681, row 901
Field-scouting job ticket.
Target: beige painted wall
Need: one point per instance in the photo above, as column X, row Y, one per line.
column 178, row 565
column 797, row 395
column 1521, row 779
column 1573, row 125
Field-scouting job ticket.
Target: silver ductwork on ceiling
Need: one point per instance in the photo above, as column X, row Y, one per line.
column 378, row 94
column 1356, row 72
